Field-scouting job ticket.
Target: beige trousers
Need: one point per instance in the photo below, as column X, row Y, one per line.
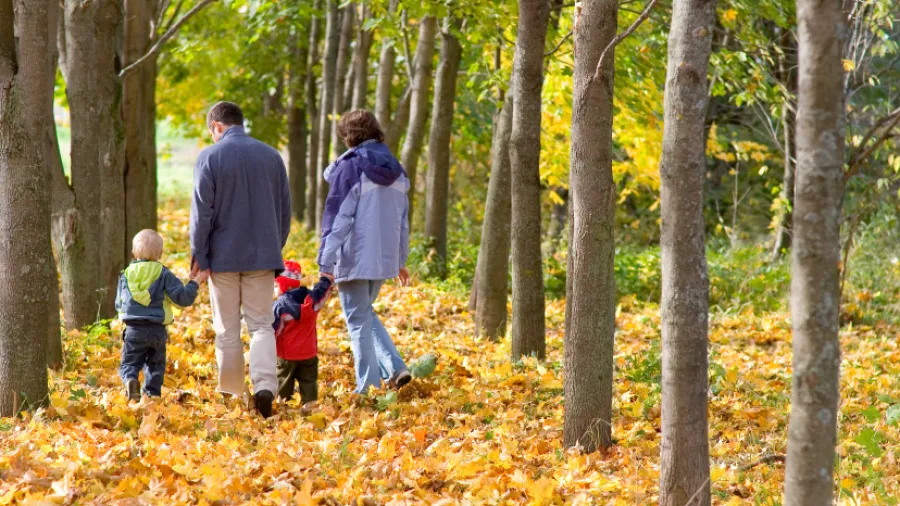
column 230, row 292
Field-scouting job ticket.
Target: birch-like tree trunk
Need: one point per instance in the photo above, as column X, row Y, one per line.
column 297, row 134
column 312, row 108
column 684, row 462
column 361, row 63
column 25, row 90
column 418, row 105
column 591, row 287
column 348, row 16
column 385, row 82
column 528, row 325
column 815, row 256
column 788, row 76
column 438, row 187
column 329, row 67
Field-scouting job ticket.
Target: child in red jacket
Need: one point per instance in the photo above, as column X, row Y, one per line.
column 295, row 311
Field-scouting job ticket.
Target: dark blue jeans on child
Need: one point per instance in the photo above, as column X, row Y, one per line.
column 144, row 349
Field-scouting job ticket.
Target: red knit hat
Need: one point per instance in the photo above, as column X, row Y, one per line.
column 290, row 278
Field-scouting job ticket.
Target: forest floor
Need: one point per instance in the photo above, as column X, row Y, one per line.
column 479, row 430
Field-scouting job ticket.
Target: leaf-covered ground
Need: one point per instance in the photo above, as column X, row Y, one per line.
column 480, row 430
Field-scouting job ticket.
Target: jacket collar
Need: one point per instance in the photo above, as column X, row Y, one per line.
column 236, row 130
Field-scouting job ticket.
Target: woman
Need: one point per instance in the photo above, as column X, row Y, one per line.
column 365, row 241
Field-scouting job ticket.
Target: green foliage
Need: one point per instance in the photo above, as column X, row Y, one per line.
column 424, row 365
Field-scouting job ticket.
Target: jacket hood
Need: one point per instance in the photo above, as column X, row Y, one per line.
column 140, row 277
column 375, row 160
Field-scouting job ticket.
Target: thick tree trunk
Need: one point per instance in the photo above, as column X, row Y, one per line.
column 312, row 107
column 361, row 64
column 329, row 67
column 438, row 187
column 418, row 106
column 591, row 294
column 815, row 295
column 788, row 114
column 384, row 85
column 91, row 232
column 684, row 307
column 492, row 268
column 297, row 129
column 25, row 40
column 348, row 16
column 525, row 142
column 139, row 111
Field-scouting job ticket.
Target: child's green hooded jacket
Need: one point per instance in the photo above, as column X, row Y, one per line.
column 147, row 291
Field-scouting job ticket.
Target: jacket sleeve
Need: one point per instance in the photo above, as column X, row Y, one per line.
column 202, row 211
column 181, row 294
column 120, row 294
column 285, row 201
column 320, row 292
column 342, row 214
column 404, row 236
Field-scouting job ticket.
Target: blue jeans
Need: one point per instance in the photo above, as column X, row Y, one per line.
column 375, row 357
column 145, row 348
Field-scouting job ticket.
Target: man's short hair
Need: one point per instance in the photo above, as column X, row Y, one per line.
column 356, row 127
column 227, row 113
column 147, row 245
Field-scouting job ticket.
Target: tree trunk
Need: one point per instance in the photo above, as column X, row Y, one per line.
column 492, row 270
column 139, row 110
column 559, row 216
column 384, row 85
column 297, row 129
column 329, row 67
column 684, row 462
column 25, row 40
column 393, row 134
column 312, row 107
column 815, row 295
column 418, row 105
column 53, row 164
column 786, row 65
column 361, row 64
column 90, row 233
column 591, row 295
column 525, row 142
column 348, row 15
column 438, row 187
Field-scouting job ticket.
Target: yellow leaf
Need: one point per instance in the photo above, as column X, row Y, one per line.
column 305, row 497
column 729, row 15
column 849, row 65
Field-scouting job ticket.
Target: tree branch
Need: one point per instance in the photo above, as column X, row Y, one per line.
column 410, row 64
column 768, row 459
column 161, row 7
column 856, row 160
column 175, row 12
column 561, row 42
column 165, row 38
column 619, row 38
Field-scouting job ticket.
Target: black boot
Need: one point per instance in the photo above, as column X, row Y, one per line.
column 263, row 402
column 133, row 389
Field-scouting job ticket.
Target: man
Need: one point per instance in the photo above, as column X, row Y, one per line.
column 240, row 220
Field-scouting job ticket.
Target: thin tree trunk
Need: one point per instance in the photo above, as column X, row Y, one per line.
column 393, row 134
column 139, row 110
column 52, row 163
column 329, row 67
column 361, row 64
column 815, row 294
column 312, row 107
column 492, row 268
column 297, row 129
column 528, row 327
column 348, row 15
column 684, row 462
column 788, row 113
column 591, row 295
column 418, row 106
column 25, row 40
column 438, row 188
column 385, row 82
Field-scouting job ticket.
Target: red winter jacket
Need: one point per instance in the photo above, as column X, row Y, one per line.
column 295, row 321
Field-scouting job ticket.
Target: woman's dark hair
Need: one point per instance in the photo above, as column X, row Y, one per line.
column 227, row 113
column 356, row 127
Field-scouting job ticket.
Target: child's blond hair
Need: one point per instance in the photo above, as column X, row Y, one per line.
column 147, row 245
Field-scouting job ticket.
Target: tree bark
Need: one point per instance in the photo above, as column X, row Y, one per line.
column 492, row 267
column 684, row 462
column 25, row 41
column 329, row 67
column 393, row 134
column 348, row 15
column 297, row 129
column 591, row 294
column 312, row 107
column 438, row 188
column 815, row 295
column 52, row 163
column 418, row 105
column 139, row 110
column 528, row 326
column 384, row 85
column 90, row 233
column 788, row 76
column 361, row 64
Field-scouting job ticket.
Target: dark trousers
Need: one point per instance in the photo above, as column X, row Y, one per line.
column 144, row 348
column 304, row 372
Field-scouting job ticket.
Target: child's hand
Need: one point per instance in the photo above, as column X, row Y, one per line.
column 201, row 277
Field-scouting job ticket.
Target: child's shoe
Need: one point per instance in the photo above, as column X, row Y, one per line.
column 263, row 403
column 133, row 390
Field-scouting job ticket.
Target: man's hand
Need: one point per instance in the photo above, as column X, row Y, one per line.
column 195, row 268
column 201, row 277
column 403, row 277
column 327, row 275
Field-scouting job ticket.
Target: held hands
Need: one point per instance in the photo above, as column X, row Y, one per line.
column 197, row 275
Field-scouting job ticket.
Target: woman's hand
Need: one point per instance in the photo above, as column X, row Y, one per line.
column 403, row 277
